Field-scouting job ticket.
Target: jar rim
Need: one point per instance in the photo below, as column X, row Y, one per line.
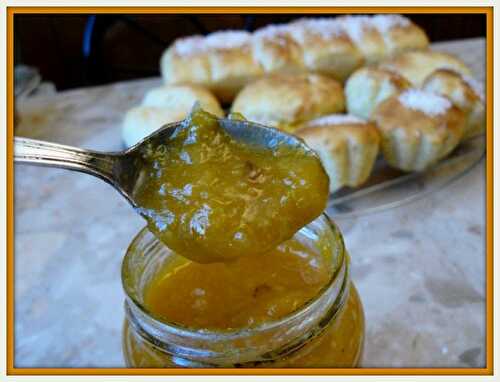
column 183, row 330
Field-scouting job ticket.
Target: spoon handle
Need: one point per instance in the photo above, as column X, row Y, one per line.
column 41, row 153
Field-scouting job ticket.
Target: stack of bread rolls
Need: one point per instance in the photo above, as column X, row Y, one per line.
column 224, row 62
column 414, row 106
column 417, row 112
column 424, row 104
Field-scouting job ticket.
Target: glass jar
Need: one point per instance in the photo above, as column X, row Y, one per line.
column 327, row 331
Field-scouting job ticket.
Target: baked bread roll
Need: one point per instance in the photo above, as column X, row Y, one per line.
column 326, row 47
column 275, row 50
column 399, row 34
column 366, row 36
column 225, row 61
column 418, row 128
column 222, row 62
column 464, row 92
column 415, row 66
column 163, row 105
column 346, row 145
column 286, row 100
column 369, row 86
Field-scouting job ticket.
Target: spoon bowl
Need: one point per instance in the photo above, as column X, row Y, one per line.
column 123, row 169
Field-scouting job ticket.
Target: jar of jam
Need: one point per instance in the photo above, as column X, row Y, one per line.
column 295, row 307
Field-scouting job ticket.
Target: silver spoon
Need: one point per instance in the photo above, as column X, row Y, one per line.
column 122, row 169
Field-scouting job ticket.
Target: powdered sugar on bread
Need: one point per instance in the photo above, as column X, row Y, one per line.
column 336, row 119
column 326, row 28
column 188, row 46
column 385, row 23
column 355, row 26
column 228, row 39
column 425, row 102
column 272, row 31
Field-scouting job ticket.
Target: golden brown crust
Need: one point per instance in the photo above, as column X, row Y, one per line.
column 415, row 66
column 284, row 99
column 223, row 62
column 399, row 34
column 369, row 86
column 413, row 139
column 327, row 49
column 275, row 50
column 361, row 133
column 230, row 71
column 464, row 93
column 177, row 69
column 365, row 36
column 348, row 149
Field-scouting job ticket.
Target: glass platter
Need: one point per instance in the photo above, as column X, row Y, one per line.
column 387, row 188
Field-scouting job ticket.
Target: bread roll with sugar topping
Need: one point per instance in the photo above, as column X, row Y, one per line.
column 225, row 61
column 365, row 35
column 418, row 128
column 275, row 50
column 286, row 100
column 369, row 86
column 327, row 49
column 415, row 66
column 346, row 145
column 162, row 105
column 399, row 34
column 222, row 62
column 465, row 92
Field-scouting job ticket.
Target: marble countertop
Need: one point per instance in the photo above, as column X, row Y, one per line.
column 420, row 268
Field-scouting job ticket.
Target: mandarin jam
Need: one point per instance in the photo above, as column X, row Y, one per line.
column 244, row 294
column 211, row 198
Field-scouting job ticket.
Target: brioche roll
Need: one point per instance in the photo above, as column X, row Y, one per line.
column 399, row 34
column 366, row 36
column 346, row 145
column 327, row 49
column 369, row 86
column 464, row 92
column 418, row 128
column 186, row 61
column 415, row 66
column 162, row 105
column 284, row 100
column 221, row 61
column 275, row 50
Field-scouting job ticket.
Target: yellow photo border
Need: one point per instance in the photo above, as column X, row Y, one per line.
column 12, row 370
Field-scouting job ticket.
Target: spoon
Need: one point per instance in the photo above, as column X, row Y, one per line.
column 122, row 169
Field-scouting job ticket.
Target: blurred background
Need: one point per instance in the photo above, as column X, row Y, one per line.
column 83, row 50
